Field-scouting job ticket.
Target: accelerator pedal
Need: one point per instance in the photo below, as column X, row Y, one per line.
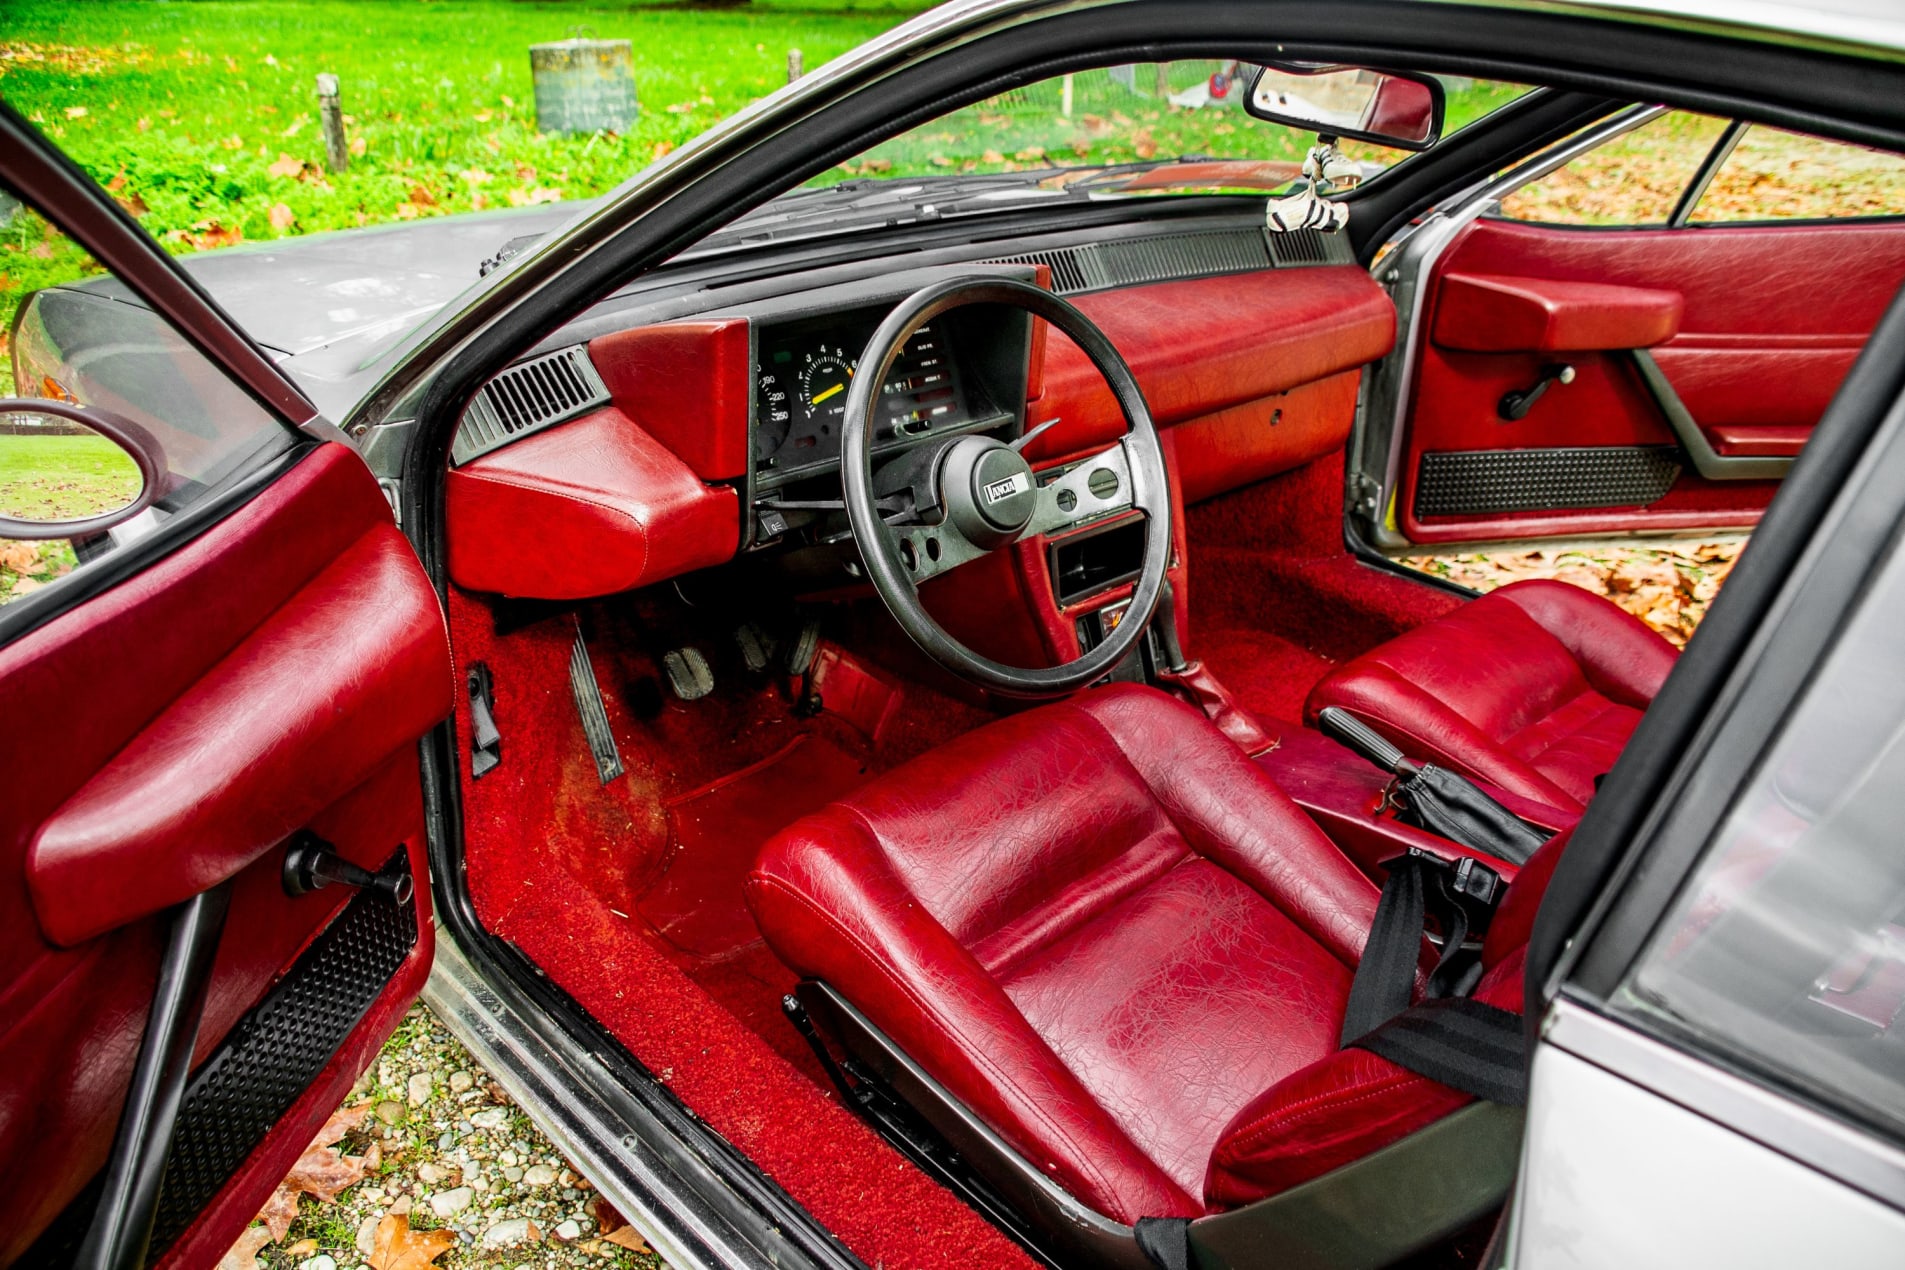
column 687, row 672
column 800, row 654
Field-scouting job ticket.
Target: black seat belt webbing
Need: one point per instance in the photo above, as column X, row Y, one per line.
column 1386, row 975
column 1463, row 1043
column 1165, row 1241
column 1476, row 1048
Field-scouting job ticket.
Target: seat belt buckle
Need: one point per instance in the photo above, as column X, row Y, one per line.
column 1463, row 881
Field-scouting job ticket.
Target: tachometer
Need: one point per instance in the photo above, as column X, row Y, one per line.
column 825, row 375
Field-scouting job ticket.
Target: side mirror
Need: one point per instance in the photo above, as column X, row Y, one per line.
column 1403, row 111
column 70, row 471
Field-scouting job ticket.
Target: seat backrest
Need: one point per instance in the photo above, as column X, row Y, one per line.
column 1352, row 1103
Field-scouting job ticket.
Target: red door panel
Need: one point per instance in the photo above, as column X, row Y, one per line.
column 1770, row 319
column 272, row 675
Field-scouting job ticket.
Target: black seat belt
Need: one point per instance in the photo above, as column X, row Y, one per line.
column 1477, row 1048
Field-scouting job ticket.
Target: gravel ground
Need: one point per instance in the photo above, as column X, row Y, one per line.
column 441, row 1146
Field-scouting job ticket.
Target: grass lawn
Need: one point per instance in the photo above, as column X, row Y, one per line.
column 56, row 478
column 64, row 477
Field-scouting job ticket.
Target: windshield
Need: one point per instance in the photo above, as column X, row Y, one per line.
column 1144, row 128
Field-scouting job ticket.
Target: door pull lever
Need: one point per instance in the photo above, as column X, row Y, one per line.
column 310, row 864
column 1514, row 406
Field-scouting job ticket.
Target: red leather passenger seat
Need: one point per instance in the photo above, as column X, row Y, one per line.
column 1109, row 935
column 1534, row 688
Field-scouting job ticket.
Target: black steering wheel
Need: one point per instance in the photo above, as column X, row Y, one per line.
column 974, row 494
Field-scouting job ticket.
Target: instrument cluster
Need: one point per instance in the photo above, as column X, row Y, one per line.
column 804, row 370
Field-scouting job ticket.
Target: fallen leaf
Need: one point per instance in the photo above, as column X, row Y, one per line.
column 422, row 197
column 20, row 557
column 243, row 1255
column 286, row 166
column 606, row 1218
column 397, row 1247
column 76, row 112
column 357, row 146
column 1143, row 144
column 302, row 1248
column 282, row 217
column 279, row 1211
column 627, row 1237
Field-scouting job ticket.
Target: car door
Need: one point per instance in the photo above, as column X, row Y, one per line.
column 209, row 711
column 1641, row 340
column 1734, row 996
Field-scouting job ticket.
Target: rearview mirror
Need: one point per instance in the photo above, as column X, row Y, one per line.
column 1403, row 111
column 70, row 471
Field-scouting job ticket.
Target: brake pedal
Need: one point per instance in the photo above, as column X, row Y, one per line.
column 756, row 645
column 687, row 672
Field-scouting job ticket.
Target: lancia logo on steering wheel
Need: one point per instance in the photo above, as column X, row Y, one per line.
column 1017, row 483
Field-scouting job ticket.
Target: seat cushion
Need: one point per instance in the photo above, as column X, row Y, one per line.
column 1534, row 688
column 1098, row 924
column 1351, row 1103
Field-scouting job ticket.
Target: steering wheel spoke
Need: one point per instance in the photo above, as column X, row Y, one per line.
column 926, row 551
column 1099, row 486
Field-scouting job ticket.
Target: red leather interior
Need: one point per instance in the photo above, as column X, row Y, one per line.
column 688, row 385
column 589, row 507
column 1097, row 923
column 1203, row 346
column 1772, row 318
column 1241, row 445
column 115, row 678
column 1488, row 313
column 1351, row 1103
column 283, row 726
column 1346, row 795
column 1114, row 939
column 1534, row 688
column 1346, row 1105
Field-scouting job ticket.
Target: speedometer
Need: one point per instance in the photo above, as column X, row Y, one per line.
column 825, row 376
column 774, row 414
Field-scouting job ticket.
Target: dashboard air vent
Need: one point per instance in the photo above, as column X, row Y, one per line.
column 1067, row 278
column 1310, row 247
column 527, row 397
column 1132, row 261
column 1129, row 262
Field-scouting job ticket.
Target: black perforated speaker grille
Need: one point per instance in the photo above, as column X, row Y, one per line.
column 278, row 1049
column 1482, row 482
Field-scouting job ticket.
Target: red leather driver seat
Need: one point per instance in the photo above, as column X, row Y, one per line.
column 1534, row 688
column 1110, row 936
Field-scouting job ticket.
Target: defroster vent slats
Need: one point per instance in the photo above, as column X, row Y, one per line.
column 527, row 397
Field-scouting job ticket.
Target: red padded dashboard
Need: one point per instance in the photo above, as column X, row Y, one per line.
column 1209, row 344
column 646, row 488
